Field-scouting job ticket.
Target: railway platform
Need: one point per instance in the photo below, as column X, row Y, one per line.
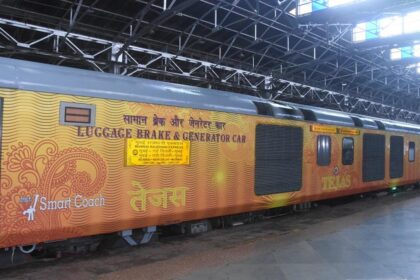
column 370, row 238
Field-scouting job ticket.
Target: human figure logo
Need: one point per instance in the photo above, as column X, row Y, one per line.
column 44, row 204
column 30, row 212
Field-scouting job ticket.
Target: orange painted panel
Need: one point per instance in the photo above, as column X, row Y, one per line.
column 61, row 181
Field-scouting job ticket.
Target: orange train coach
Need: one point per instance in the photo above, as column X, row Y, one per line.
column 88, row 154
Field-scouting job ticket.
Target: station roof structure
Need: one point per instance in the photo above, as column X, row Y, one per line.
column 317, row 52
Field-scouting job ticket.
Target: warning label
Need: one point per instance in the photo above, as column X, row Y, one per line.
column 157, row 152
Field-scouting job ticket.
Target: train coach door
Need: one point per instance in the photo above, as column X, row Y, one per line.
column 347, row 173
column 335, row 157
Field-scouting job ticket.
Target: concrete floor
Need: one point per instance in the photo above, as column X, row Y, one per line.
column 366, row 239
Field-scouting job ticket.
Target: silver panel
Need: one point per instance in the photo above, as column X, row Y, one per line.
column 25, row 75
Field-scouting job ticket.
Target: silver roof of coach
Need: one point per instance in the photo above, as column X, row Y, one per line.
column 25, row 75
column 19, row 74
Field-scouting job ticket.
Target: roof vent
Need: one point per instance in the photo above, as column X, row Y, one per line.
column 264, row 108
column 309, row 115
column 381, row 126
column 357, row 122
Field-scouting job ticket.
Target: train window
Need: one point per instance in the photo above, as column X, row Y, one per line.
column 278, row 159
column 77, row 114
column 323, row 150
column 373, row 157
column 396, row 159
column 347, row 151
column 411, row 151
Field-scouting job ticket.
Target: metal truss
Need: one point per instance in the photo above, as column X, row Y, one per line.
column 249, row 46
column 132, row 61
column 287, row 90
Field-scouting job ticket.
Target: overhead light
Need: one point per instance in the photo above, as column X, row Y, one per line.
column 387, row 27
column 309, row 6
column 333, row 3
column 405, row 52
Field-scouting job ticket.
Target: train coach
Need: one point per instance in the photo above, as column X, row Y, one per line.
column 88, row 154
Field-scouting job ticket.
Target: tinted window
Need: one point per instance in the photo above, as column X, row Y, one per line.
column 278, row 159
column 348, row 151
column 324, row 150
column 77, row 115
column 396, row 158
column 373, row 157
column 411, row 151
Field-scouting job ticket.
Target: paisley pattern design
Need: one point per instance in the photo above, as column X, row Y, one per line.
column 46, row 171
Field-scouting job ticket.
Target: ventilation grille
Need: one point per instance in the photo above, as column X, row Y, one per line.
column 373, row 157
column 396, row 164
column 278, row 159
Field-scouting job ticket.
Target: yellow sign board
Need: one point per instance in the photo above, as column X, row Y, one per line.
column 334, row 130
column 323, row 129
column 157, row 152
column 349, row 131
